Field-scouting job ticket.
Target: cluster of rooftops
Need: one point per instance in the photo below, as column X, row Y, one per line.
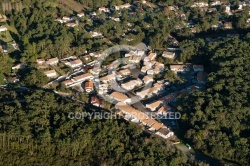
column 103, row 85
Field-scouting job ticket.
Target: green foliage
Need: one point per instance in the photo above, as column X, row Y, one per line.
column 35, row 77
column 217, row 120
column 1, row 78
column 39, row 132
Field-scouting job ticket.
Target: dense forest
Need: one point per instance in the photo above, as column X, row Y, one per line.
column 216, row 120
column 39, row 132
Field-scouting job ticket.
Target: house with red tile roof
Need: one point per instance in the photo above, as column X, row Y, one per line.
column 89, row 86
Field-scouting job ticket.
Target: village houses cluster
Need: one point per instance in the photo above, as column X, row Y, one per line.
column 90, row 80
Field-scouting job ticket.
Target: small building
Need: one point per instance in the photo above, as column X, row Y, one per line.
column 3, row 28
column 67, row 83
column 51, row 73
column 40, row 61
column 120, row 97
column 162, row 111
column 131, row 84
column 150, row 57
column 108, row 78
column 75, row 63
column 96, row 101
column 147, row 79
column 179, row 68
column 103, row 9
column 156, row 126
column 52, row 61
column 148, row 122
column 154, row 106
column 80, row 15
column 144, row 69
column 165, row 133
column 168, row 54
column 83, row 77
column 89, row 86
column 125, row 72
column 18, row 67
column 71, row 24
column 134, row 59
column 124, row 6
column 103, row 89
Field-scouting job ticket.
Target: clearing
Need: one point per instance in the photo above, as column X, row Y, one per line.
column 72, row 5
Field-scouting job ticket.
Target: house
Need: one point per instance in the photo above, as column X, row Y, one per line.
column 157, row 88
column 131, row 84
column 71, row 24
column 117, row 19
column 120, row 97
column 89, row 86
column 134, row 59
column 124, row 6
column 150, row 57
column 139, row 53
column 148, row 122
column 165, row 133
column 129, row 54
column 83, row 77
column 108, row 78
column 59, row 20
column 65, row 18
column 95, row 54
column 227, row 25
column 147, row 79
column 18, row 66
column 215, row 3
column 40, row 61
column 156, row 126
column 154, row 106
column 75, row 63
column 95, row 34
column 52, row 61
column 131, row 113
column 103, row 9
column 158, row 70
column 80, row 15
column 125, row 72
column 103, row 89
column 197, row 68
column 162, row 111
column 179, row 68
column 144, row 69
column 96, row 101
column 200, row 4
column 50, row 73
column 3, row 28
column 168, row 54
column 144, row 93
column 158, row 67
column 67, row 83
column 201, row 77
column 150, row 72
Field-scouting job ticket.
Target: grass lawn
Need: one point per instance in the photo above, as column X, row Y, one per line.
column 73, row 5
